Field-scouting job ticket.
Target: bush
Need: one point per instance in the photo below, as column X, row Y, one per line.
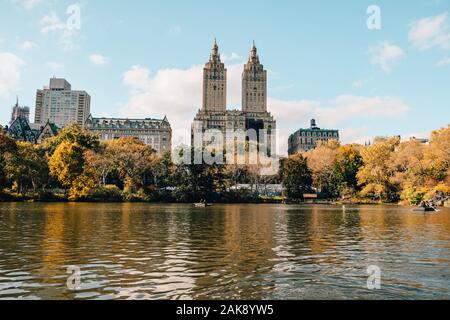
column 413, row 195
column 107, row 193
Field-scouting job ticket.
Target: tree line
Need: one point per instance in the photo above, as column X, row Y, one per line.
column 389, row 170
column 76, row 166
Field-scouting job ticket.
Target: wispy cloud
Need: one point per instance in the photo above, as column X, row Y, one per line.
column 385, row 55
column 175, row 30
column 27, row 4
column 28, row 45
column 431, row 32
column 230, row 57
column 98, row 59
column 54, row 65
column 443, row 62
column 153, row 94
column 10, row 73
column 52, row 24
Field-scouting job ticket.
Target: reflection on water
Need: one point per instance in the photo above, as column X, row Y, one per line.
column 141, row 251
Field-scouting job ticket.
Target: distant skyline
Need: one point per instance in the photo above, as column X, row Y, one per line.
column 144, row 59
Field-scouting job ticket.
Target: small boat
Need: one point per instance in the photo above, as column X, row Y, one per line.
column 424, row 209
column 202, row 205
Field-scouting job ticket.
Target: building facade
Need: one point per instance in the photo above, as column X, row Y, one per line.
column 214, row 113
column 21, row 130
column 153, row 132
column 254, row 84
column 20, row 112
column 61, row 105
column 214, row 83
column 308, row 139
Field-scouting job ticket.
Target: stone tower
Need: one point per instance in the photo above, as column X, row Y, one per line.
column 214, row 83
column 254, row 84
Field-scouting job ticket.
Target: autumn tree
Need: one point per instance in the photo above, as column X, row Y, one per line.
column 67, row 162
column 376, row 173
column 321, row 161
column 134, row 161
column 437, row 155
column 73, row 134
column 406, row 165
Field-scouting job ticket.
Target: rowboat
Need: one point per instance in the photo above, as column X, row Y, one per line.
column 202, row 205
column 424, row 209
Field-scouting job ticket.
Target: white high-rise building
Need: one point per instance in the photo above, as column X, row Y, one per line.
column 61, row 105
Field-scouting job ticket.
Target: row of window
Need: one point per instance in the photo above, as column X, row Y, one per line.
column 320, row 134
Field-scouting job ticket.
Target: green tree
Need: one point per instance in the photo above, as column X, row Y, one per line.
column 73, row 134
column 297, row 177
column 344, row 181
column 7, row 145
column 27, row 167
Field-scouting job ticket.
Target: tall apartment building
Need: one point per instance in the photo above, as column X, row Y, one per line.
column 20, row 112
column 61, row 105
column 214, row 113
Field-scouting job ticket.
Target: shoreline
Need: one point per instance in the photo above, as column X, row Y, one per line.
column 331, row 203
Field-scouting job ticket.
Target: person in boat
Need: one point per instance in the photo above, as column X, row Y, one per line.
column 423, row 204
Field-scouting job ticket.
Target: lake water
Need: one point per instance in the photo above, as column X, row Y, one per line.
column 153, row 251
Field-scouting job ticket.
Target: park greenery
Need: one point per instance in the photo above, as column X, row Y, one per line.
column 76, row 166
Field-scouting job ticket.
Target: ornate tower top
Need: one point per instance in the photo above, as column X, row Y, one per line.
column 215, row 56
column 253, row 57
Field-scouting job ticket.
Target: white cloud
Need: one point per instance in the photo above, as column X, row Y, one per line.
column 355, row 135
column 27, row 4
column 358, row 84
column 174, row 92
column 178, row 94
column 431, row 32
column 292, row 115
column 98, row 59
column 175, row 30
column 28, row 45
column 52, row 24
column 443, row 62
column 385, row 55
column 230, row 57
column 54, row 65
column 10, row 73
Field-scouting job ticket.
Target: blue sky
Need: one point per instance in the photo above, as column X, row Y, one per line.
column 144, row 59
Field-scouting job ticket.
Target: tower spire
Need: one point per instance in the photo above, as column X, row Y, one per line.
column 253, row 57
column 215, row 51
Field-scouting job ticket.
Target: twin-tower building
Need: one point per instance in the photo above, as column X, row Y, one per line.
column 214, row 113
